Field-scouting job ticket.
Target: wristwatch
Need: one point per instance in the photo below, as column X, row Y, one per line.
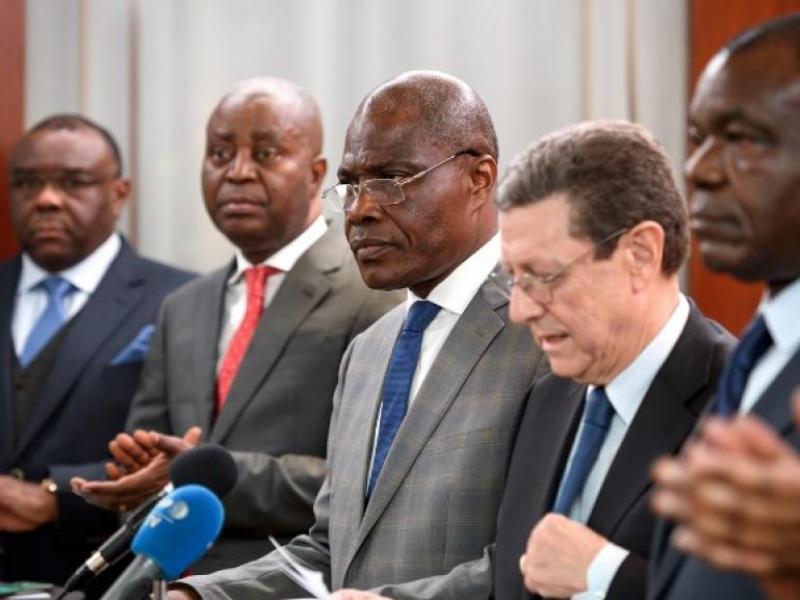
column 49, row 485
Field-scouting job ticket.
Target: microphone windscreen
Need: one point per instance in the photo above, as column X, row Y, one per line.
column 179, row 529
column 208, row 465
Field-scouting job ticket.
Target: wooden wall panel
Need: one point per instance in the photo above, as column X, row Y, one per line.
column 12, row 103
column 712, row 23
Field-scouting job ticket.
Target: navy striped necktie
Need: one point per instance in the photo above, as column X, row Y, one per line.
column 596, row 421
column 755, row 341
column 397, row 385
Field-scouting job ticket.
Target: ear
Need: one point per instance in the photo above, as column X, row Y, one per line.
column 319, row 166
column 120, row 192
column 482, row 179
column 644, row 247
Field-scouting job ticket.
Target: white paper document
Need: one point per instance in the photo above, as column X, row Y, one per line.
column 310, row 581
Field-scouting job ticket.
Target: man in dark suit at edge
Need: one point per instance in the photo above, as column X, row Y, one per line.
column 78, row 308
column 744, row 125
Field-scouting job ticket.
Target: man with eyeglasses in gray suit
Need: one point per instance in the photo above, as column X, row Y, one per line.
column 429, row 397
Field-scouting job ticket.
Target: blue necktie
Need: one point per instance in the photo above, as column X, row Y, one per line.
column 50, row 321
column 755, row 341
column 596, row 421
column 397, row 384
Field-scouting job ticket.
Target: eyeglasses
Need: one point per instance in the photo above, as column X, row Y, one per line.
column 386, row 192
column 69, row 182
column 540, row 287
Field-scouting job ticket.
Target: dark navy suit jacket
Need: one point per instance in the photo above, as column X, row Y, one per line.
column 676, row 576
column 82, row 406
column 621, row 513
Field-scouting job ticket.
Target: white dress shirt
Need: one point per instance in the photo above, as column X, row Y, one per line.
column 235, row 303
column 780, row 314
column 453, row 295
column 625, row 392
column 31, row 301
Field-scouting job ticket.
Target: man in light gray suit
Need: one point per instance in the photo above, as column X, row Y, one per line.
column 424, row 413
column 253, row 364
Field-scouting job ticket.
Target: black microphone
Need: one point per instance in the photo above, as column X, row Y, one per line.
column 208, row 465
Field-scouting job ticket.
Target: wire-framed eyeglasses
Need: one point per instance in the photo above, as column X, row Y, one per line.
column 540, row 287
column 386, row 192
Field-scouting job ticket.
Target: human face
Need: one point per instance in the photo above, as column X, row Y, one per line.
column 586, row 325
column 65, row 195
column 745, row 166
column 418, row 242
column 261, row 176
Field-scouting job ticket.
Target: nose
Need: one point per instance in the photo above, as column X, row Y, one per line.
column 364, row 208
column 242, row 167
column 49, row 197
column 523, row 308
column 704, row 168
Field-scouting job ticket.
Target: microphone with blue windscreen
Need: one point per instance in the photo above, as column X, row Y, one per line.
column 178, row 531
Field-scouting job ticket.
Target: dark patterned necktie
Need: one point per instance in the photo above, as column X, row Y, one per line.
column 397, row 385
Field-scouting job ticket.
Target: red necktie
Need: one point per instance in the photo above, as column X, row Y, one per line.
column 256, row 278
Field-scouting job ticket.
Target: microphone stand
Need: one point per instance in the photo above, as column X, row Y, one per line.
column 159, row 589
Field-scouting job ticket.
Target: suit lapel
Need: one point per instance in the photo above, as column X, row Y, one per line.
column 361, row 405
column 8, row 288
column 301, row 291
column 664, row 419
column 468, row 340
column 561, row 410
column 118, row 292
column 210, row 313
column 774, row 405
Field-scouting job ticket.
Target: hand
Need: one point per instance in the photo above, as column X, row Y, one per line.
column 131, row 452
column 558, row 555
column 356, row 595
column 782, row 588
column 735, row 494
column 130, row 490
column 182, row 593
column 134, row 452
column 25, row 506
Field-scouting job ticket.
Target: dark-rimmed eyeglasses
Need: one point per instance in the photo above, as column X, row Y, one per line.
column 539, row 288
column 386, row 192
column 70, row 182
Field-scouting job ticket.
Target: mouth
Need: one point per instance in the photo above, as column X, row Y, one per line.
column 366, row 249
column 240, row 206
column 715, row 229
column 550, row 342
column 48, row 230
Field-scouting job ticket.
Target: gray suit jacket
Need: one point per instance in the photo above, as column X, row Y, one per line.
column 433, row 509
column 276, row 418
column 675, row 576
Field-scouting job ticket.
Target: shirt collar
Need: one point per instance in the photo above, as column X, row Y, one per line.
column 627, row 390
column 85, row 275
column 456, row 291
column 285, row 258
column 780, row 314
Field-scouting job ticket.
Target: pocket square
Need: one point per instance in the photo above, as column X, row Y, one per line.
column 136, row 350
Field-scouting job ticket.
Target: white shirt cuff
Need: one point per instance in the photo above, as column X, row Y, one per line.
column 601, row 572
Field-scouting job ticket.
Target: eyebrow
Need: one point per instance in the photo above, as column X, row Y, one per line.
column 379, row 166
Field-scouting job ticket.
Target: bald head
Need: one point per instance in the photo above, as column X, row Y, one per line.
column 448, row 109
column 296, row 105
column 431, row 136
column 263, row 166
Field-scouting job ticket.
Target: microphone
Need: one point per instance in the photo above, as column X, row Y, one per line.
column 177, row 532
column 208, row 465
